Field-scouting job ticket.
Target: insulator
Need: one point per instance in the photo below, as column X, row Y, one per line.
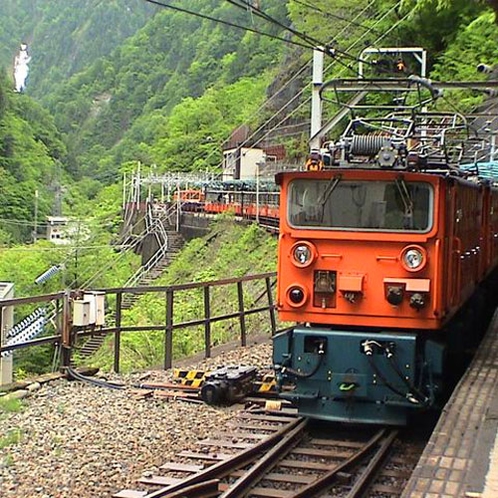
column 366, row 145
column 484, row 68
column 46, row 275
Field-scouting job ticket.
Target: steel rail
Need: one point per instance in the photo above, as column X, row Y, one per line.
column 224, row 467
column 365, row 480
column 324, row 482
column 205, row 489
column 242, row 486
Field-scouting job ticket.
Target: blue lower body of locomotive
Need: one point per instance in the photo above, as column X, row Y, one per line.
column 357, row 377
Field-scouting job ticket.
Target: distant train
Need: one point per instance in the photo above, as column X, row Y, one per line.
column 387, row 262
column 241, row 198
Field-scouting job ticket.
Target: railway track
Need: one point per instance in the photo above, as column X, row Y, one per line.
column 276, row 454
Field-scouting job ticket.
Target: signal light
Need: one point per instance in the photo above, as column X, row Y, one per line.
column 314, row 162
column 400, row 66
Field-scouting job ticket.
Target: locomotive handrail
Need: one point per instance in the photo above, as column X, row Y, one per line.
column 437, row 290
column 458, row 270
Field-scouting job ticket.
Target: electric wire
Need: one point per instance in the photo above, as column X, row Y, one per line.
column 306, row 65
column 95, row 382
column 305, row 102
column 227, row 23
column 294, row 76
column 311, row 41
column 143, row 234
column 300, row 93
column 335, row 16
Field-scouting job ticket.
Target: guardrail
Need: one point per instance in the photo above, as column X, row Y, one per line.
column 66, row 334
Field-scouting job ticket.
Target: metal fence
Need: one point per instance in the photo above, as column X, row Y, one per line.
column 66, row 335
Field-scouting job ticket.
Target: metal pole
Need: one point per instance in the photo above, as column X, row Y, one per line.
column 257, row 192
column 66, row 331
column 168, row 336
column 207, row 324
column 117, row 334
column 316, row 102
column 242, row 318
column 178, row 207
column 35, row 229
column 271, row 307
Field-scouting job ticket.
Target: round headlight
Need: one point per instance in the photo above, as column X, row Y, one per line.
column 303, row 254
column 296, row 296
column 413, row 258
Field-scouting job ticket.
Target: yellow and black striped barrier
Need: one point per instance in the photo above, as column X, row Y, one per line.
column 193, row 378
column 264, row 383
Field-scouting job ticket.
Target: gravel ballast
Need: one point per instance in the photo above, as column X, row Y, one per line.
column 80, row 440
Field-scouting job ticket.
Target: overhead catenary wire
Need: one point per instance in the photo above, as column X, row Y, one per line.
column 299, row 94
column 301, row 70
column 298, row 73
column 141, row 236
column 226, row 23
column 309, row 40
column 246, row 5
column 335, row 16
column 313, row 42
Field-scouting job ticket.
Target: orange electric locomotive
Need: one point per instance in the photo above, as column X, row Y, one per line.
column 386, row 254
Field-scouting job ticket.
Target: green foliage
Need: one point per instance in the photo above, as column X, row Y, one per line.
column 435, row 23
column 10, row 405
column 229, row 250
column 13, row 436
column 65, row 37
column 175, row 56
column 473, row 45
column 31, row 151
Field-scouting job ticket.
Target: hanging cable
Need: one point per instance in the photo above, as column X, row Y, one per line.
column 95, row 382
column 328, row 67
column 335, row 16
column 226, row 23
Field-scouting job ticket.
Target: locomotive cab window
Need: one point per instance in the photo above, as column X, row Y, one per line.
column 395, row 205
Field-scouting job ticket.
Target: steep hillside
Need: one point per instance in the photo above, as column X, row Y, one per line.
column 135, row 89
column 229, row 250
column 32, row 156
column 65, row 37
column 165, row 87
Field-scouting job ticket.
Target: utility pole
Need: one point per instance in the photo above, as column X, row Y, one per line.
column 35, row 228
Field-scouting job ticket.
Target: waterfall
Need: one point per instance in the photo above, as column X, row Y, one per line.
column 21, row 67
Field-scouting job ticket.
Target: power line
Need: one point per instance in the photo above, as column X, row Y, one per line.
column 226, row 23
column 335, row 16
column 303, row 68
column 299, row 94
column 312, row 42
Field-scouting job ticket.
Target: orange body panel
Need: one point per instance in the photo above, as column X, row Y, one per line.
column 460, row 247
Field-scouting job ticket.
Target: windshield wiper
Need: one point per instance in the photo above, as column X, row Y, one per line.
column 407, row 202
column 333, row 182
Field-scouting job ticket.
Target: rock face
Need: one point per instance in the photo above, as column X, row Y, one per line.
column 79, row 440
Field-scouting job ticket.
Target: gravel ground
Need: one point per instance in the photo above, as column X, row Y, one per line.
column 79, row 440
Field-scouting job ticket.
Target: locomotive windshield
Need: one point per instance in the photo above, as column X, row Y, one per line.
column 361, row 205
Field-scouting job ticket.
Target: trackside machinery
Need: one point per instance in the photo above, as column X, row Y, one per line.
column 388, row 248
